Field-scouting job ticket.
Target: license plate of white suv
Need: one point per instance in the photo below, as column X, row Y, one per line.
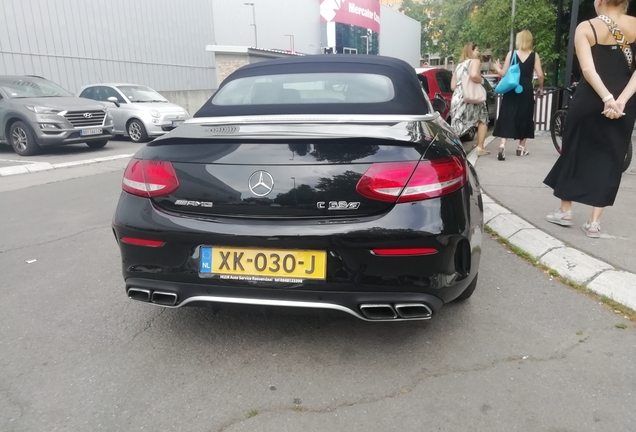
column 86, row 132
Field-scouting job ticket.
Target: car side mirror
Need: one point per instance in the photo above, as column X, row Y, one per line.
column 114, row 100
column 439, row 104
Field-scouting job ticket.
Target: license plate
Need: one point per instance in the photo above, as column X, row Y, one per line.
column 263, row 265
column 86, row 132
column 176, row 123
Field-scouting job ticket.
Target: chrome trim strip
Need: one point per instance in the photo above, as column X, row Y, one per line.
column 281, row 303
column 315, row 118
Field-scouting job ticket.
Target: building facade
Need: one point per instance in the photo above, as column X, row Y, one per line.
column 162, row 44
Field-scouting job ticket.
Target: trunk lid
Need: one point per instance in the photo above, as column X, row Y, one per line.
column 281, row 175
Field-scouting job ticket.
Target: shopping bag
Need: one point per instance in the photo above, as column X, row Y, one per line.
column 510, row 81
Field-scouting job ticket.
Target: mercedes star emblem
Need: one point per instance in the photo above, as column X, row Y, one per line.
column 261, row 183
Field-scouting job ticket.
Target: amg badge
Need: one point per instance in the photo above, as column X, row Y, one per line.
column 193, row 203
column 338, row 205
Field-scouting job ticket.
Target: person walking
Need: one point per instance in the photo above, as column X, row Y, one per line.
column 464, row 115
column 516, row 112
column 601, row 118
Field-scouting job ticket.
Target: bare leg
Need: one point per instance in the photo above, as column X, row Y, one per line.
column 596, row 214
column 566, row 206
column 503, row 143
column 482, row 130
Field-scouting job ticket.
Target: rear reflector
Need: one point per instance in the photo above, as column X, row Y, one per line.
column 426, row 179
column 142, row 242
column 404, row 251
column 149, row 178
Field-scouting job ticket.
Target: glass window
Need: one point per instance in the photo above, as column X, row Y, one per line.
column 424, row 82
column 88, row 93
column 137, row 93
column 444, row 81
column 21, row 88
column 306, row 88
column 102, row 93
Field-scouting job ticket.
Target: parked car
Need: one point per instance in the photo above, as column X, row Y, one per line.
column 321, row 182
column 139, row 112
column 493, row 79
column 37, row 113
column 437, row 81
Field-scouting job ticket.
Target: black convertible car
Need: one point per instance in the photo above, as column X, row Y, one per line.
column 322, row 182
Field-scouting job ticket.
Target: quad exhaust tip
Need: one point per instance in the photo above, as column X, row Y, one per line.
column 164, row 298
column 378, row 311
column 157, row 297
column 139, row 294
column 388, row 312
column 413, row 311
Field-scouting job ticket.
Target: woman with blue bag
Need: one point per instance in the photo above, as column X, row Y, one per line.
column 516, row 112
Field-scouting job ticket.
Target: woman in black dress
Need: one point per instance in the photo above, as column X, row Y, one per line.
column 599, row 125
column 516, row 113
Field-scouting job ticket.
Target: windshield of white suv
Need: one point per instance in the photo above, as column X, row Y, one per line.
column 141, row 94
column 21, row 88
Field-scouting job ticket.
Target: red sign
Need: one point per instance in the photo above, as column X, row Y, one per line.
column 361, row 13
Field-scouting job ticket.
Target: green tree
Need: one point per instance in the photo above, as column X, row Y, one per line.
column 423, row 11
column 487, row 23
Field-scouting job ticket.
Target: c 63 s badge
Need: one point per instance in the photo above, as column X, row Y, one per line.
column 338, row 205
column 193, row 203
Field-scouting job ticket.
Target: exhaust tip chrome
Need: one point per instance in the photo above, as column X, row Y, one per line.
column 164, row 298
column 139, row 294
column 378, row 311
column 413, row 311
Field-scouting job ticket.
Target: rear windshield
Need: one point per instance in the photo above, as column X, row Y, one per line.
column 306, row 88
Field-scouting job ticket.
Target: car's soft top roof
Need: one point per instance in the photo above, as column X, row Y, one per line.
column 409, row 98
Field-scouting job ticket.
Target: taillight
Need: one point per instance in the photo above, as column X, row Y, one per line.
column 148, row 178
column 428, row 179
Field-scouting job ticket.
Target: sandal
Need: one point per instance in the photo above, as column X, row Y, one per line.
column 521, row 151
column 501, row 154
column 592, row 229
column 560, row 218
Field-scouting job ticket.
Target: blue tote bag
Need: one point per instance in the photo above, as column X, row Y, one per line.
column 510, row 81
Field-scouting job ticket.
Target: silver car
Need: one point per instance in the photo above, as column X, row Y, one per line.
column 139, row 111
column 37, row 113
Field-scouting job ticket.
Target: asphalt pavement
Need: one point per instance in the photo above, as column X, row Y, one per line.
column 525, row 353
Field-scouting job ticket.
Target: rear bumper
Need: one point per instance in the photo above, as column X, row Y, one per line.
column 349, row 303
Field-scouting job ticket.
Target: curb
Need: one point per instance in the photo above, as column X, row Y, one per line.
column 45, row 166
column 596, row 275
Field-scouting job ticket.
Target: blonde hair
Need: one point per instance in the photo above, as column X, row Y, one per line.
column 524, row 41
column 467, row 52
column 622, row 4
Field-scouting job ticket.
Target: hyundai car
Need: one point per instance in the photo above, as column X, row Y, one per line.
column 36, row 113
column 319, row 183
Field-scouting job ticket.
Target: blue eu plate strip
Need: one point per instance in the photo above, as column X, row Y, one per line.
column 206, row 260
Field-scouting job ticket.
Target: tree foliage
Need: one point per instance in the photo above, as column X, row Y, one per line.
column 454, row 23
